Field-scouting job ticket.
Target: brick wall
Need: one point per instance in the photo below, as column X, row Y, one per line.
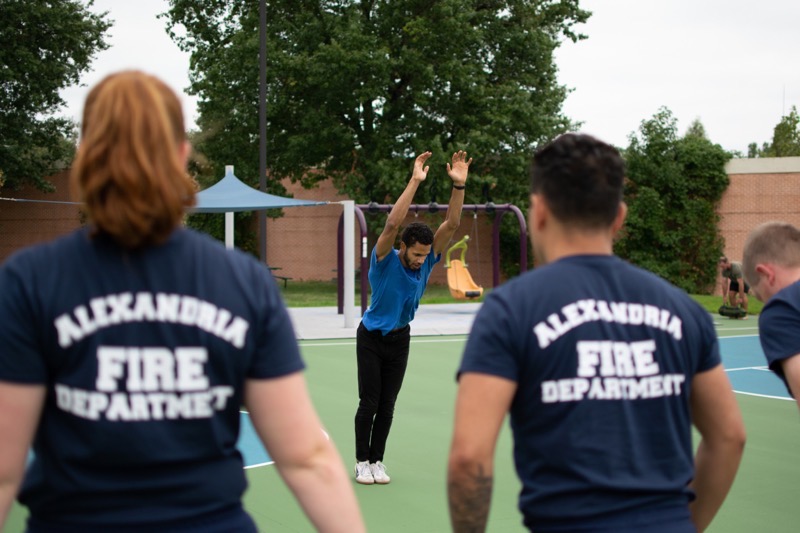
column 303, row 242
column 25, row 223
column 761, row 190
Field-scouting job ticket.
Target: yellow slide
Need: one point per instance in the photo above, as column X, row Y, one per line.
column 462, row 287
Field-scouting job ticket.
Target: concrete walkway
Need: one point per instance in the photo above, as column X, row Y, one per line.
column 431, row 319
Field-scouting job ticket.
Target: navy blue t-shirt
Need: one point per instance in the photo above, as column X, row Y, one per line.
column 396, row 291
column 144, row 356
column 778, row 327
column 603, row 354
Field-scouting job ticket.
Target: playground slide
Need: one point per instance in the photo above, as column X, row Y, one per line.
column 462, row 287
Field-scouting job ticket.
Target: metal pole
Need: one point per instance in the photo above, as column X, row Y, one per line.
column 262, row 126
column 229, row 217
column 349, row 264
column 229, row 230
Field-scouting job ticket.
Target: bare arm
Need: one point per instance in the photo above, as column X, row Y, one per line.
column 717, row 417
column 725, row 283
column 400, row 209
column 286, row 422
column 481, row 406
column 20, row 408
column 458, row 173
column 791, row 369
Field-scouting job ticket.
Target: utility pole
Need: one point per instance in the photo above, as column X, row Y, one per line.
column 262, row 126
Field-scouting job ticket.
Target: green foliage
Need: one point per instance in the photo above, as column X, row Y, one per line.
column 44, row 47
column 357, row 89
column 674, row 185
column 785, row 139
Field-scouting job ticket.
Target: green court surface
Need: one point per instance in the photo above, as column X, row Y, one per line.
column 763, row 497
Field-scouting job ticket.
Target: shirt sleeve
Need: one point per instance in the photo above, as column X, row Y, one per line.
column 21, row 359
column 710, row 355
column 378, row 266
column 277, row 353
column 778, row 325
column 490, row 348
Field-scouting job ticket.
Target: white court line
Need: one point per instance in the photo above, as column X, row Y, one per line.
column 353, row 342
column 737, row 336
column 764, row 396
column 259, row 464
column 746, row 368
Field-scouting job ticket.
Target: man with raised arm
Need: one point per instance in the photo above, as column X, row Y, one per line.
column 398, row 278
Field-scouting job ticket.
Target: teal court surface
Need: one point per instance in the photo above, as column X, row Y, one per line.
column 763, row 497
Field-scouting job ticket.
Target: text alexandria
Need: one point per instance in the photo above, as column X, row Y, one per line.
column 127, row 307
column 582, row 311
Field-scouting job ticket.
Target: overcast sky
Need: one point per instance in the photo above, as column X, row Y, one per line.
column 732, row 64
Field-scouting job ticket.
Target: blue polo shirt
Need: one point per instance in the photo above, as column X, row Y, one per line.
column 396, row 291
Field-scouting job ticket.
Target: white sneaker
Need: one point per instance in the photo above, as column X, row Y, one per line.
column 364, row 473
column 379, row 473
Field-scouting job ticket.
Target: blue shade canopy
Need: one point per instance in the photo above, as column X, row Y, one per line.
column 230, row 194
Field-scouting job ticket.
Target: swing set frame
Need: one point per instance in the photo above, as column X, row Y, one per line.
column 498, row 211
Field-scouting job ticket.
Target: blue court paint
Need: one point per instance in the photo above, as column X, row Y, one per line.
column 746, row 365
column 250, row 445
column 742, row 357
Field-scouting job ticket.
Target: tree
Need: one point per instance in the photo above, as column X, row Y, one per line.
column 44, row 47
column 674, row 186
column 356, row 89
column 785, row 139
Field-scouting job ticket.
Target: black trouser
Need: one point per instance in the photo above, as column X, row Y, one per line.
column 382, row 361
column 734, row 287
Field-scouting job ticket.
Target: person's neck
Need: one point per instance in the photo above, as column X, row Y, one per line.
column 788, row 276
column 566, row 244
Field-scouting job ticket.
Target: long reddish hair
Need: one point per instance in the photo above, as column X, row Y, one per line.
column 129, row 171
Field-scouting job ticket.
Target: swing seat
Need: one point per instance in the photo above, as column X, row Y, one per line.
column 459, row 280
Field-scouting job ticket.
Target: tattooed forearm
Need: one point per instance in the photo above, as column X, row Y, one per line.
column 470, row 494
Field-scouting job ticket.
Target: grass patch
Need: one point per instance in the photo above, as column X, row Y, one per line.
column 712, row 303
column 323, row 294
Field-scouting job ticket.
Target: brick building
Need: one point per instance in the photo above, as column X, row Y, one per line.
column 303, row 242
column 41, row 219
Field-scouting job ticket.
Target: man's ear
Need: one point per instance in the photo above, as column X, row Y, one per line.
column 619, row 220
column 766, row 271
column 540, row 212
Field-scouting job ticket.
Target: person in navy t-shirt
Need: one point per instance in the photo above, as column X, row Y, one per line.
column 127, row 349
column 398, row 279
column 603, row 367
column 771, row 264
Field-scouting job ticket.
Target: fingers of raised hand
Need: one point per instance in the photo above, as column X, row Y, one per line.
column 461, row 157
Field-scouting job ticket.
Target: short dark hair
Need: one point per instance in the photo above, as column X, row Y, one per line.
column 581, row 178
column 417, row 232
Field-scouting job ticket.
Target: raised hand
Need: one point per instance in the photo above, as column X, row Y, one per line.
column 460, row 167
column 420, row 170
